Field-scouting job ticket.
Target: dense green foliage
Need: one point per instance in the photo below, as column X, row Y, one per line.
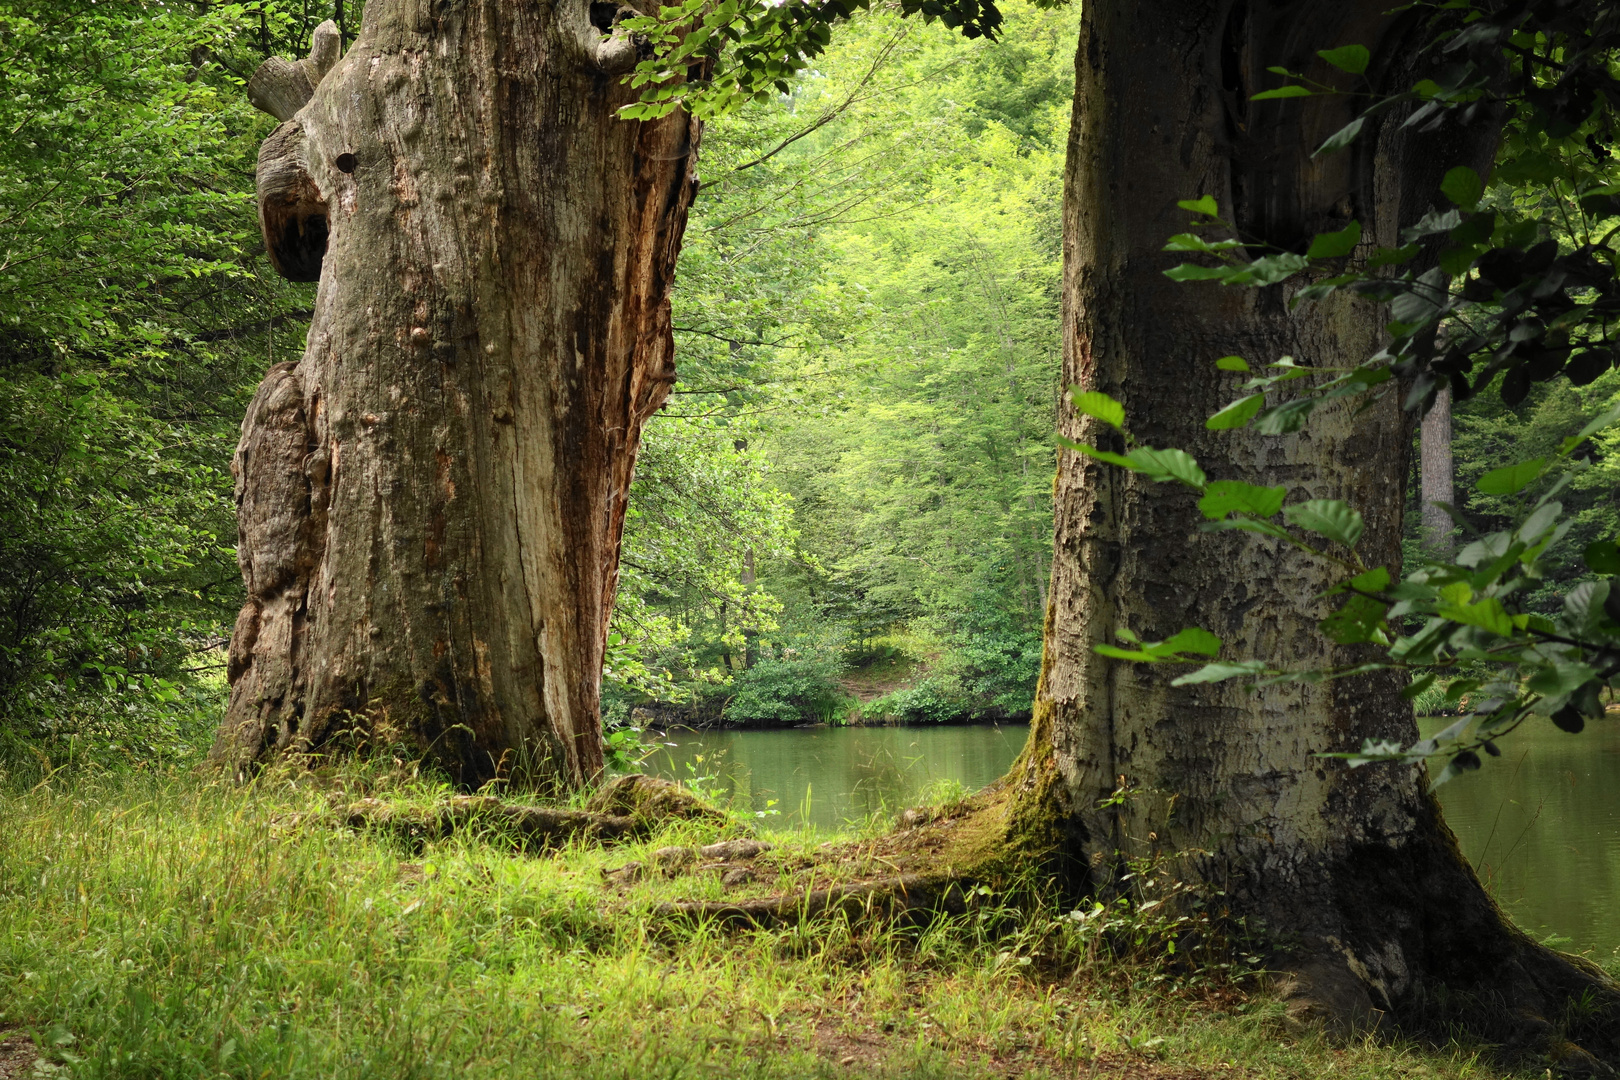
column 136, row 324
column 868, row 297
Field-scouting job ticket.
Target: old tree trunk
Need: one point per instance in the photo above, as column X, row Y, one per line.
column 1353, row 873
column 431, row 499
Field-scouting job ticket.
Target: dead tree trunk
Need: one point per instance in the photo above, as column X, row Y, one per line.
column 430, row 502
column 1353, row 873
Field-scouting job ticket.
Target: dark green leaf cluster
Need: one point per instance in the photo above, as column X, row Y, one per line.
column 711, row 58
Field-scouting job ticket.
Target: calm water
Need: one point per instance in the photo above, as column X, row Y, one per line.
column 829, row 776
column 1541, row 823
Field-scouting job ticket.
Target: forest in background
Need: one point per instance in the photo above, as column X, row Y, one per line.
column 844, row 511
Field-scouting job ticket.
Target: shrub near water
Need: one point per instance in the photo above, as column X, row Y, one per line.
column 160, row 928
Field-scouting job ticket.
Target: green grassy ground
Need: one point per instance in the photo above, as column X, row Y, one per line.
column 172, row 927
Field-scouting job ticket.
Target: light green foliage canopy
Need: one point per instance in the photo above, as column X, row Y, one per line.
column 869, row 295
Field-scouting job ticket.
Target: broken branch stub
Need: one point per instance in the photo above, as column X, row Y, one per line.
column 282, row 87
column 292, row 215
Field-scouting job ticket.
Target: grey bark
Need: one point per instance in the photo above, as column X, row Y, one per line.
column 431, row 500
column 1436, row 477
column 1354, row 868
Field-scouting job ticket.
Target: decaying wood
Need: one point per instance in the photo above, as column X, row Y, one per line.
column 531, row 828
column 293, row 215
column 890, row 896
column 652, row 798
column 282, row 87
column 452, row 457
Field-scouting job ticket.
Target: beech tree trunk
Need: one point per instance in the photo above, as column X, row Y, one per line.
column 430, row 501
column 1436, row 479
column 1352, row 873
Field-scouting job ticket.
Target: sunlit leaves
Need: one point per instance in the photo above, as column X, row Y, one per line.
column 1351, row 58
column 1223, row 497
column 1332, row 518
column 1174, row 648
column 1099, row 405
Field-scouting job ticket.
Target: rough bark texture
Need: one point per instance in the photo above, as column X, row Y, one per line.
column 1436, row 482
column 1352, row 871
column 431, row 500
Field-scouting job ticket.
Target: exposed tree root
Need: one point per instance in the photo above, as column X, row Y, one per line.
column 627, row 808
column 901, row 894
column 533, row 828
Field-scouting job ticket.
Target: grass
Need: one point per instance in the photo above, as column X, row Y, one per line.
column 171, row 926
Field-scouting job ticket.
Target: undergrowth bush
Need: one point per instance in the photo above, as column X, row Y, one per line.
column 792, row 683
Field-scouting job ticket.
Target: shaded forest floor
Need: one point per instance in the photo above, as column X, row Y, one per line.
column 176, row 927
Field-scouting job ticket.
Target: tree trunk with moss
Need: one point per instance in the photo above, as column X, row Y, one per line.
column 430, row 501
column 1353, row 874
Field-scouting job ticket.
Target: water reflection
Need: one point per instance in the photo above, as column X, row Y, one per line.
column 831, row 776
column 1541, row 824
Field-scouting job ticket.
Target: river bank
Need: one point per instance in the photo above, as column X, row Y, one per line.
column 166, row 926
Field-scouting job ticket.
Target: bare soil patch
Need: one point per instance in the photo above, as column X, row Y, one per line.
column 17, row 1055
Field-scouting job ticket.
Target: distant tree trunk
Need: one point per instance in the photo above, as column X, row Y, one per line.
column 1353, row 873
column 431, row 500
column 1434, row 440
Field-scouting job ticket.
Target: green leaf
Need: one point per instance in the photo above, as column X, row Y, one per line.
column 1351, row 58
column 1237, row 414
column 1192, row 272
column 1609, row 416
column 1420, row 684
column 1289, row 416
column 1101, row 455
column 1463, row 186
column 1163, row 465
column 1360, row 619
column 1335, row 244
column 1270, row 269
column 1101, row 406
column 1224, row 497
column 1190, row 640
column 1232, row 363
column 1265, row 528
column 1487, row 613
column 1210, row 673
column 1203, row 205
column 1510, row 478
column 1194, row 242
column 1602, row 557
column 1332, row 518
column 1341, row 138
column 1281, row 92
column 1375, row 580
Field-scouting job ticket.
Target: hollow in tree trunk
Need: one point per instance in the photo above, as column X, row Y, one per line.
column 1356, row 879
column 430, row 501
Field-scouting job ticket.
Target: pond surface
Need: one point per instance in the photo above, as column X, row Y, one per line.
column 1541, row 824
column 829, row 776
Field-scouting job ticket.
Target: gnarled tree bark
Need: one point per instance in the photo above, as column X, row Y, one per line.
column 431, row 499
column 1352, row 872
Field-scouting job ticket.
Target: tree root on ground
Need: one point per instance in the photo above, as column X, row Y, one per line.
column 627, row 808
column 901, row 894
